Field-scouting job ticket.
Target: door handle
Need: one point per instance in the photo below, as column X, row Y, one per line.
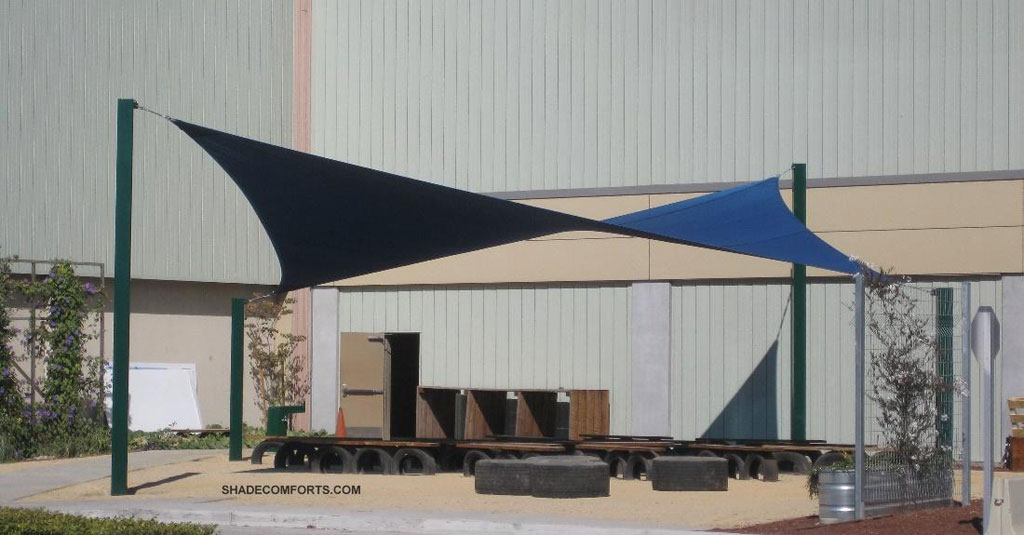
column 346, row 391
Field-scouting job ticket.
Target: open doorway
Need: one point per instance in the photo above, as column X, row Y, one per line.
column 379, row 375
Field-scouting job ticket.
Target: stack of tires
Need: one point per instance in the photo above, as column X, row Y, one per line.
column 690, row 473
column 556, row 476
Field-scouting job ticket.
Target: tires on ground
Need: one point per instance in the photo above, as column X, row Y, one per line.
column 638, row 466
column 414, row 461
column 262, row 449
column 616, row 464
column 690, row 473
column 372, row 461
column 561, row 476
column 470, row 459
column 292, row 457
column 829, row 458
column 737, row 468
column 792, row 461
column 503, row 476
column 333, row 460
column 769, row 470
column 753, row 465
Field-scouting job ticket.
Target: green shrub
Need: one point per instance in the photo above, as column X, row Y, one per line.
column 16, row 521
column 847, row 463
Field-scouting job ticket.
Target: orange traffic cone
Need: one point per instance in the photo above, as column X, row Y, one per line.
column 340, row 432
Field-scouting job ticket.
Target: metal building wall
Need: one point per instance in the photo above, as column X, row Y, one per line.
column 521, row 336
column 731, row 351
column 543, row 94
column 730, row 347
column 227, row 65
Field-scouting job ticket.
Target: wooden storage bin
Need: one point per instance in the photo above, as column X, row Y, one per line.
column 536, row 413
column 436, row 412
column 485, row 413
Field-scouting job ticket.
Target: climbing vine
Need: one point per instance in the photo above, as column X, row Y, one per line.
column 70, row 419
column 13, row 435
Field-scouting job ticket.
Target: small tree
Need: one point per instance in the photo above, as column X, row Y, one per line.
column 276, row 371
column 905, row 377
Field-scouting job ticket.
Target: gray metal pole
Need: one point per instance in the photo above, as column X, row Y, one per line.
column 965, row 414
column 858, row 455
column 987, row 442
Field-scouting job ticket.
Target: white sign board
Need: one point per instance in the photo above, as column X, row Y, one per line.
column 161, row 396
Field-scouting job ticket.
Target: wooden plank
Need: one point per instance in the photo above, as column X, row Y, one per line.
column 1017, row 418
column 514, row 446
column 1015, row 403
column 588, row 413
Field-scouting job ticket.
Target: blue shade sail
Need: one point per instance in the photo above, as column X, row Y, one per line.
column 330, row 220
column 751, row 219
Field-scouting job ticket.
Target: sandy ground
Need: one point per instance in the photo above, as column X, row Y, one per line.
column 745, row 503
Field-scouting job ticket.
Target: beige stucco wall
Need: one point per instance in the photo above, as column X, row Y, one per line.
column 933, row 228
column 182, row 322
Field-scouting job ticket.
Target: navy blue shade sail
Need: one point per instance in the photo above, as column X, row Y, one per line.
column 330, row 220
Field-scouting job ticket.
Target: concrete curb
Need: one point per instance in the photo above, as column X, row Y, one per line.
column 363, row 521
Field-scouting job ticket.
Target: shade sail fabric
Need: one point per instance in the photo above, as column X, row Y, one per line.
column 751, row 219
column 330, row 220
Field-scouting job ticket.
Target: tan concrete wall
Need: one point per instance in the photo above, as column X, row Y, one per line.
column 936, row 228
column 182, row 322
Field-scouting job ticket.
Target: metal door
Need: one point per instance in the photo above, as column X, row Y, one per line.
column 365, row 373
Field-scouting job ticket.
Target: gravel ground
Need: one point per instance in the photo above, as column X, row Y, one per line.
column 745, row 503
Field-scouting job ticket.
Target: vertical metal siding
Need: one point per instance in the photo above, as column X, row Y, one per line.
column 725, row 381
column 542, row 94
column 227, row 65
column 533, row 336
column 721, row 332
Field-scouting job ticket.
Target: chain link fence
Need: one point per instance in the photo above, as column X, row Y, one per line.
column 916, row 403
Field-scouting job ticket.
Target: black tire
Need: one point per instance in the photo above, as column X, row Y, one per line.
column 829, row 458
column 737, row 468
column 263, row 448
column 698, row 473
column 638, row 466
column 372, row 461
column 292, row 457
column 769, row 470
column 470, row 459
column 706, row 453
column 408, row 461
column 616, row 464
column 568, row 477
column 792, row 461
column 503, row 476
column 753, row 465
column 333, row 460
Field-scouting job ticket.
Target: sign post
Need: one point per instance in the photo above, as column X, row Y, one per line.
column 985, row 346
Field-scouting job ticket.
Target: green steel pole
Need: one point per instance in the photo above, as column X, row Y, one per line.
column 122, row 298
column 237, row 369
column 798, row 401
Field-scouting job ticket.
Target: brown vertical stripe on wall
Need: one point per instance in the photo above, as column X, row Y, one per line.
column 302, row 45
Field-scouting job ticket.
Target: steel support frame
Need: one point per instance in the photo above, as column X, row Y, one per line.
column 798, row 390
column 122, row 298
